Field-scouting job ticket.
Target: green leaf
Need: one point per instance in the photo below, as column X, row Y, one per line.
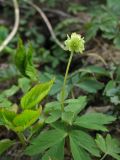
column 24, row 84
column 85, row 141
column 53, row 116
column 108, row 22
column 96, row 69
column 25, row 119
column 11, row 91
column 109, row 146
column 20, row 57
column 91, row 30
column 68, row 117
column 77, row 152
column 5, row 144
column 96, row 121
column 59, row 125
column 76, row 105
column 109, row 87
column 101, row 143
column 45, row 140
column 36, row 95
column 52, row 106
column 23, row 60
column 6, row 116
column 56, row 152
column 30, row 70
column 91, row 85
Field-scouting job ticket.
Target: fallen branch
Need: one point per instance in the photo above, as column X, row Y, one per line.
column 15, row 28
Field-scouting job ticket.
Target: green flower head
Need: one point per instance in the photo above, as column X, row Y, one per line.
column 75, row 43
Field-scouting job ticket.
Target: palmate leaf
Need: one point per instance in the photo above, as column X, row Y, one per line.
column 76, row 105
column 77, row 152
column 52, row 106
column 68, row 117
column 45, row 141
column 85, row 141
column 5, row 144
column 36, row 95
column 53, row 116
column 109, row 146
column 55, row 153
column 96, row 121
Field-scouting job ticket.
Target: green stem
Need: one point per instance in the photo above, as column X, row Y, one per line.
column 21, row 138
column 103, row 156
column 64, row 83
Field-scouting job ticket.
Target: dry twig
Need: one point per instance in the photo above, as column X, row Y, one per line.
column 15, row 28
column 47, row 23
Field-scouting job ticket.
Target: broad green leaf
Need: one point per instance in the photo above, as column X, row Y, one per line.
column 20, row 57
column 109, row 146
column 91, row 30
column 52, row 106
column 36, row 95
column 77, row 152
column 76, row 105
column 45, row 140
column 11, row 91
column 5, row 144
column 68, row 117
column 23, row 60
column 30, row 70
column 85, row 141
column 90, row 85
column 97, row 69
column 101, row 143
column 25, row 119
column 109, row 87
column 6, row 116
column 53, row 116
column 24, row 84
column 96, row 121
column 59, row 125
column 56, row 152
column 108, row 22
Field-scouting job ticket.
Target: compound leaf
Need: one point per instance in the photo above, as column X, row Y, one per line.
column 45, row 141
column 96, row 121
column 109, row 146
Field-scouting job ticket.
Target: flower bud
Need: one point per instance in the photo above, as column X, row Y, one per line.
column 75, row 43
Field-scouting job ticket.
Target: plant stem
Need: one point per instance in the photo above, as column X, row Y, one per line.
column 103, row 156
column 21, row 138
column 64, row 83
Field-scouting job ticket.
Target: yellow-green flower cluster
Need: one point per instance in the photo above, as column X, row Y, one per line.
column 75, row 43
